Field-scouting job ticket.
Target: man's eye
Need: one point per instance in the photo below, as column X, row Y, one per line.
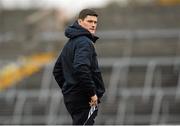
column 95, row 22
column 90, row 21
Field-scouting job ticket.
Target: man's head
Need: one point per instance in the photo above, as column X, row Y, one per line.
column 88, row 20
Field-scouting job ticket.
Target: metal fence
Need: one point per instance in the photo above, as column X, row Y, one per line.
column 149, row 103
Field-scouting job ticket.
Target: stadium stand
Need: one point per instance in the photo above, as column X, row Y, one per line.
column 140, row 65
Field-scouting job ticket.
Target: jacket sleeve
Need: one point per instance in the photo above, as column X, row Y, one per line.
column 58, row 72
column 81, row 68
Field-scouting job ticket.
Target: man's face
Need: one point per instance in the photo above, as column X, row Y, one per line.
column 89, row 23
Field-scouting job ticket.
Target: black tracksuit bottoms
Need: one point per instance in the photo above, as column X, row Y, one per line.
column 79, row 111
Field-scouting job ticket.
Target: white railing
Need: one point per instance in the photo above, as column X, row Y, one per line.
column 108, row 35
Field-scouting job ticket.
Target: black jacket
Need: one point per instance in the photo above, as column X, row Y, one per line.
column 76, row 69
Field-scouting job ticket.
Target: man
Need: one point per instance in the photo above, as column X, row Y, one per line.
column 76, row 69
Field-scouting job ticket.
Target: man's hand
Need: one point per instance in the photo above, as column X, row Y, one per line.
column 94, row 101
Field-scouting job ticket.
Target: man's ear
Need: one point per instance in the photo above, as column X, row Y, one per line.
column 79, row 21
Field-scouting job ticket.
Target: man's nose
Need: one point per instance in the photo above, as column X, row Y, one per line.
column 93, row 24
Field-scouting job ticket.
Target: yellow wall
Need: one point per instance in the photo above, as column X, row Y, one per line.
column 24, row 67
column 168, row 2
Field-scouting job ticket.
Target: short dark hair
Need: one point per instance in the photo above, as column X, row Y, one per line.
column 85, row 12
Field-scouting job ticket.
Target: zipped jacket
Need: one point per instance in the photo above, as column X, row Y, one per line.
column 76, row 69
